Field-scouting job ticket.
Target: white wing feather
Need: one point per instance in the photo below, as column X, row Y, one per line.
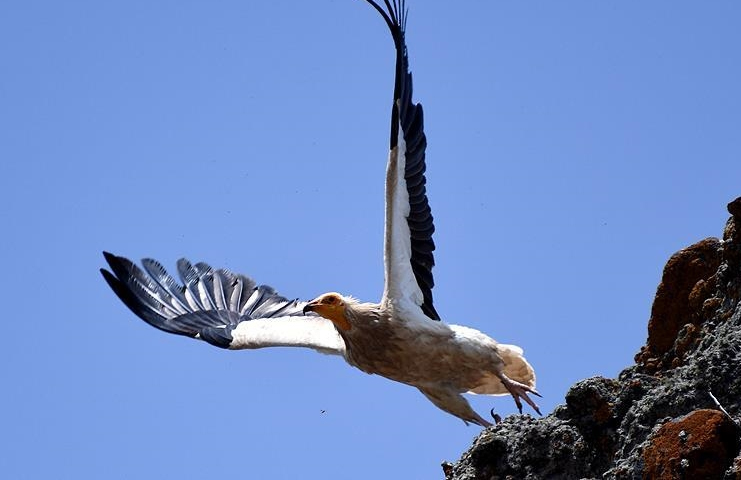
column 401, row 286
column 227, row 310
column 310, row 332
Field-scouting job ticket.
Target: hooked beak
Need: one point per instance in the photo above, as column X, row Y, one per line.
column 312, row 306
column 308, row 308
column 331, row 310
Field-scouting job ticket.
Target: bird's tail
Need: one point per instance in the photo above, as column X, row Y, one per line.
column 515, row 368
column 515, row 365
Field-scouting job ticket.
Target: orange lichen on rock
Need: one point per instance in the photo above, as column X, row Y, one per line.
column 687, row 282
column 701, row 444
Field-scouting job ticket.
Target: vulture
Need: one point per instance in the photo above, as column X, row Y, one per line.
column 401, row 337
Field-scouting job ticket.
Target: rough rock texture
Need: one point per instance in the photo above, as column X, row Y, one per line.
column 657, row 420
column 699, row 445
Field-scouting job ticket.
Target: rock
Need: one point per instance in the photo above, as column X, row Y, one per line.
column 688, row 280
column 657, row 419
column 734, row 208
column 701, row 444
column 734, row 473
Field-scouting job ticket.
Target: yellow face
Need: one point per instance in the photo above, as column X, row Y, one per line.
column 332, row 307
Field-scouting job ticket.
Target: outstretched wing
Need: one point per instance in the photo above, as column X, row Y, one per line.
column 217, row 306
column 408, row 239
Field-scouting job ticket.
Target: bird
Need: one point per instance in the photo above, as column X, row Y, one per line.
column 402, row 337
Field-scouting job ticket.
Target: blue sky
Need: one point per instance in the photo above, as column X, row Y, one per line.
column 573, row 147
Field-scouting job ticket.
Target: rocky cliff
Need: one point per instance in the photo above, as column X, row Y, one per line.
column 663, row 417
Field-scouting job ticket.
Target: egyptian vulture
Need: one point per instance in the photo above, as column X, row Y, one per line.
column 401, row 337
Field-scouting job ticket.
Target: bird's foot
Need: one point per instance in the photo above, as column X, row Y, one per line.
column 520, row 391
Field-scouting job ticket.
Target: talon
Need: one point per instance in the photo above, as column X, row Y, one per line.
column 495, row 416
column 518, row 391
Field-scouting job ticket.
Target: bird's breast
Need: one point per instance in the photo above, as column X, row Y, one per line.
column 423, row 357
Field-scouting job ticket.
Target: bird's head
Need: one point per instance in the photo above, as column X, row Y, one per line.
column 331, row 306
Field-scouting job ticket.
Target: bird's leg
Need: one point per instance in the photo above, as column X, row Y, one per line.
column 518, row 391
column 454, row 403
column 477, row 420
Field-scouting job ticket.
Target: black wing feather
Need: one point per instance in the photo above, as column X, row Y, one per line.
column 221, row 299
column 411, row 118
